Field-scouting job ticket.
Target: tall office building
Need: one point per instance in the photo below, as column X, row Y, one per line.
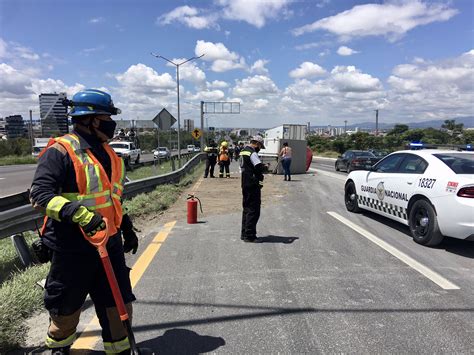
column 13, row 127
column 188, row 125
column 53, row 115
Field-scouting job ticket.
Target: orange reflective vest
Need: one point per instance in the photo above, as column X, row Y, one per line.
column 223, row 155
column 96, row 191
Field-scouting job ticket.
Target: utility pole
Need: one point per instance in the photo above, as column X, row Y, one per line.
column 177, row 65
column 31, row 130
column 376, row 123
column 202, row 126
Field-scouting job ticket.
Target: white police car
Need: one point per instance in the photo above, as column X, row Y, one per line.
column 431, row 191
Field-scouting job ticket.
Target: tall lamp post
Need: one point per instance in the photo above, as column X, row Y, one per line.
column 177, row 65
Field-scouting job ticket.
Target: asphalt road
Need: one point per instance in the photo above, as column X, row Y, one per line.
column 17, row 178
column 324, row 281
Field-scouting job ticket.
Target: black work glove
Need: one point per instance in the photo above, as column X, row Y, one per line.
column 130, row 241
column 95, row 225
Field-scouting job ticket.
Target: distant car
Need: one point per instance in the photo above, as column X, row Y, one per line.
column 355, row 160
column 162, row 153
column 197, row 149
column 431, row 191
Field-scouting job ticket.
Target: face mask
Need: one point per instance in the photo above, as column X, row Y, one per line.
column 107, row 128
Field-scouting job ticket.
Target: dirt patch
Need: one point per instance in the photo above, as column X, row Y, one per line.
column 218, row 196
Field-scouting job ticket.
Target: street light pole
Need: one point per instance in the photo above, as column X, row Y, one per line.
column 177, row 65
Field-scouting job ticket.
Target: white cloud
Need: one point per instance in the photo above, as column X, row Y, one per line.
column 303, row 47
column 207, row 95
column 256, row 85
column 217, row 84
column 391, row 19
column 307, row 70
column 222, row 59
column 259, row 67
column 189, row 71
column 346, row 51
column 142, row 79
column 88, row 51
column 255, row 13
column 260, row 103
column 13, row 81
column 189, row 16
column 3, row 48
column 96, row 20
column 325, row 53
column 351, row 79
column 50, row 85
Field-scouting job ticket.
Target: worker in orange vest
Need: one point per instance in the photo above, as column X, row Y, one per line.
column 223, row 160
column 78, row 182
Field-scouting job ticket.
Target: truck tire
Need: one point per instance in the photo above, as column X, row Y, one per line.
column 423, row 223
column 336, row 166
column 137, row 161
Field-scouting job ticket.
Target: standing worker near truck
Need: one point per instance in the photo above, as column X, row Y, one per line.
column 252, row 182
column 211, row 151
column 79, row 182
column 223, row 159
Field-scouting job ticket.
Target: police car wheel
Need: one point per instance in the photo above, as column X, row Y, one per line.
column 424, row 224
column 336, row 166
column 350, row 197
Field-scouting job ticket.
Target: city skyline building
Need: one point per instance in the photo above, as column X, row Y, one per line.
column 13, row 127
column 53, row 114
column 188, row 125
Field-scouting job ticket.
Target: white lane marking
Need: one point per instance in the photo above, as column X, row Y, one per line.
column 2, row 178
column 422, row 269
column 327, row 173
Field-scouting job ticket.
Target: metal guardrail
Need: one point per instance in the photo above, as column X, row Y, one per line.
column 17, row 215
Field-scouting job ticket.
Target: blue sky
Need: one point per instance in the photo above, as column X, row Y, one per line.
column 318, row 61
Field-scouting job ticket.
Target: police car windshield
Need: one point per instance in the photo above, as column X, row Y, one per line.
column 458, row 162
column 162, row 149
column 119, row 145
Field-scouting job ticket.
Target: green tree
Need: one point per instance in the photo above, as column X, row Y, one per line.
column 398, row 129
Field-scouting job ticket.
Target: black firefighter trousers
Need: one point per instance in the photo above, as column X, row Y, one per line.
column 210, row 164
column 251, row 211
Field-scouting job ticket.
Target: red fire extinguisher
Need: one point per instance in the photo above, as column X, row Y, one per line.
column 192, row 208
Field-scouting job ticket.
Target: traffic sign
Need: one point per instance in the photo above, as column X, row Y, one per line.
column 164, row 120
column 196, row 133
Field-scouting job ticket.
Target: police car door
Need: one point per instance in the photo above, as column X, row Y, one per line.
column 381, row 184
column 411, row 170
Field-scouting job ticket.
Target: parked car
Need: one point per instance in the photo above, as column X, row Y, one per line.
column 127, row 151
column 431, row 191
column 197, row 149
column 162, row 153
column 355, row 160
column 190, row 148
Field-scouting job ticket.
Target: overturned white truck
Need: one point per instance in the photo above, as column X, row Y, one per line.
column 295, row 136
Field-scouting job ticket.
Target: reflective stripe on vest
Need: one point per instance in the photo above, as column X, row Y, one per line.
column 96, row 191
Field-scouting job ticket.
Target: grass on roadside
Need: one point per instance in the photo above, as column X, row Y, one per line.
column 327, row 154
column 149, row 171
column 17, row 159
column 20, row 297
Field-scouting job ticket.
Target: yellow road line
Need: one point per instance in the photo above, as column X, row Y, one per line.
column 91, row 334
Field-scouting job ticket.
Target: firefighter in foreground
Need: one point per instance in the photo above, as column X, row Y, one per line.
column 79, row 181
column 211, row 151
column 252, row 181
column 223, row 160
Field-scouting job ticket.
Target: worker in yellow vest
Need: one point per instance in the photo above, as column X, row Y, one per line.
column 223, row 160
column 79, row 182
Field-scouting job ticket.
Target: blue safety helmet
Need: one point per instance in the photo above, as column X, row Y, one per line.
column 91, row 102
